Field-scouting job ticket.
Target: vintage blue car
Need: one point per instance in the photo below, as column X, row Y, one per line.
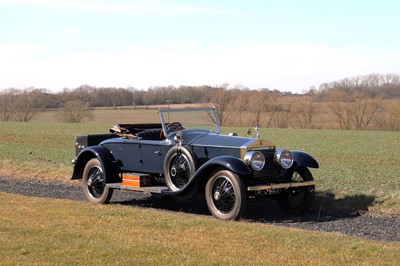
column 186, row 154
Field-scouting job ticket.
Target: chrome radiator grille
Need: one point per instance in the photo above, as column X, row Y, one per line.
column 269, row 168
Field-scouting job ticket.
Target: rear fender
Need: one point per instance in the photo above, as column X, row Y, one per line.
column 201, row 176
column 103, row 155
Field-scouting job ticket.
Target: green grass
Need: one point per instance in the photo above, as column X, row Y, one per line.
column 40, row 148
column 36, row 231
column 350, row 161
column 363, row 163
column 354, row 165
column 358, row 168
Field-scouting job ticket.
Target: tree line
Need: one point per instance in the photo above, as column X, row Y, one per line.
column 372, row 86
column 351, row 103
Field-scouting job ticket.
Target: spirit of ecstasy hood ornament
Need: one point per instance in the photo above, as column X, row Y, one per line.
column 249, row 133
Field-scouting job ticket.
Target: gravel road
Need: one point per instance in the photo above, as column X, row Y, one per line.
column 354, row 223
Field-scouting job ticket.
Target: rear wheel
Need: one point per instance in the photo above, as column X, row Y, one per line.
column 226, row 195
column 298, row 200
column 94, row 183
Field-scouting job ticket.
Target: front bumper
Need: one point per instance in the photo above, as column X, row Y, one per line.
column 283, row 185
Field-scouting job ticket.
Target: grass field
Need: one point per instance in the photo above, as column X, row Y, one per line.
column 37, row 231
column 358, row 168
column 354, row 165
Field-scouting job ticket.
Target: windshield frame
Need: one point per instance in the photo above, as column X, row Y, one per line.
column 164, row 117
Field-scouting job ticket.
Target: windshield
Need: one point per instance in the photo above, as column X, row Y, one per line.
column 201, row 118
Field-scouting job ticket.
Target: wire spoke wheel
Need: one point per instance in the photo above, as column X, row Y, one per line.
column 295, row 196
column 226, row 195
column 298, row 200
column 94, row 183
column 223, row 195
column 179, row 167
column 180, row 170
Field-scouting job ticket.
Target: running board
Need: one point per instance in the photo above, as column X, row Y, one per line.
column 161, row 189
column 153, row 189
column 284, row 185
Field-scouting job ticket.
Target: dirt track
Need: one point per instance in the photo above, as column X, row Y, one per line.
column 354, row 222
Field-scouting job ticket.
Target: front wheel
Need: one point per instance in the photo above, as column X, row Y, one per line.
column 94, row 183
column 298, row 200
column 226, row 195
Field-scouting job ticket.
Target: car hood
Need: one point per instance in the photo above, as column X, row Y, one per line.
column 218, row 140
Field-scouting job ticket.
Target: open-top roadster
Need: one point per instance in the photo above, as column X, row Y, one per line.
column 185, row 154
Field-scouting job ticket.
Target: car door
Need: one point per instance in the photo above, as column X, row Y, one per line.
column 151, row 156
column 142, row 156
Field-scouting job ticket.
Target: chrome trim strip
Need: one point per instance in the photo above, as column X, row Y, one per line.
column 214, row 146
column 284, row 185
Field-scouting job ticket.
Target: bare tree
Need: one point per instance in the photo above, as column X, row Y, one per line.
column 23, row 107
column 305, row 112
column 258, row 106
column 394, row 117
column 5, row 106
column 19, row 105
column 372, row 86
column 389, row 117
column 283, row 117
column 340, row 112
column 361, row 112
column 357, row 113
column 75, row 112
column 222, row 100
column 240, row 105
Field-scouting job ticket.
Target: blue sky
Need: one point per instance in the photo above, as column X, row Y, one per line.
column 285, row 45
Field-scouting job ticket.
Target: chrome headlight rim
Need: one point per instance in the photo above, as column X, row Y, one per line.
column 284, row 158
column 255, row 160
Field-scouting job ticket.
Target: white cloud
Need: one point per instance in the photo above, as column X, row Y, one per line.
column 31, row 27
column 122, row 7
column 186, row 44
column 285, row 66
column 16, row 49
column 68, row 32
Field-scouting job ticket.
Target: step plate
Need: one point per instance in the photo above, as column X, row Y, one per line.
column 153, row 189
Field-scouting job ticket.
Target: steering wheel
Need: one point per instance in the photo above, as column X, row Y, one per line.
column 174, row 126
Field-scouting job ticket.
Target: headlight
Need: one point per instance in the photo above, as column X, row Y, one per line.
column 284, row 158
column 255, row 160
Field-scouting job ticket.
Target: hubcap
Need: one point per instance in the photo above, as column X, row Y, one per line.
column 180, row 171
column 217, row 196
column 95, row 182
column 223, row 195
column 173, row 171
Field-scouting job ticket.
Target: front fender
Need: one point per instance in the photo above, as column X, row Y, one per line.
column 302, row 158
column 231, row 163
column 200, row 178
column 103, row 155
